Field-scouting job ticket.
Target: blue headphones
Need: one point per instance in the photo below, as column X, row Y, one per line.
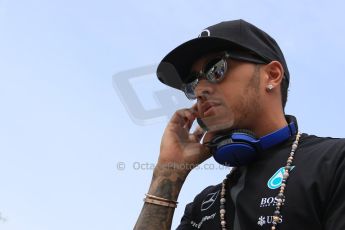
column 241, row 147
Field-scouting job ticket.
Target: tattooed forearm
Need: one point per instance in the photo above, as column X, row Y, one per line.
column 154, row 217
column 166, row 184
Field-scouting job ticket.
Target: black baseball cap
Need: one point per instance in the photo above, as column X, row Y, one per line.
column 242, row 40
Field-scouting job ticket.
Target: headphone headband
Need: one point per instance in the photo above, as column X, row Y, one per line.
column 241, row 147
column 278, row 136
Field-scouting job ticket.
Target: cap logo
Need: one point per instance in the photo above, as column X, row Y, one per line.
column 205, row 33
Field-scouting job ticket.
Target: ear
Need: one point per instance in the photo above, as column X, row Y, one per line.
column 274, row 73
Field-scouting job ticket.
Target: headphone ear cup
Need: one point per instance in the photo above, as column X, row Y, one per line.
column 235, row 149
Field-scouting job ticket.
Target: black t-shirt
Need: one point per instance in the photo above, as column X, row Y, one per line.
column 315, row 191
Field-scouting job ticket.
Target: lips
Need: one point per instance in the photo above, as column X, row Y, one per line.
column 207, row 108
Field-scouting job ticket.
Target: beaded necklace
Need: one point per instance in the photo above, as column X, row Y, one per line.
column 277, row 217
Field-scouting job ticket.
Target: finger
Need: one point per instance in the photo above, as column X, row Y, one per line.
column 198, row 133
column 193, row 114
column 184, row 117
column 189, row 122
column 195, row 110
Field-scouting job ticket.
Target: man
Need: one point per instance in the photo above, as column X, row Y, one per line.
column 281, row 179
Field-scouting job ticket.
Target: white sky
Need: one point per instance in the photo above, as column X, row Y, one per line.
column 64, row 127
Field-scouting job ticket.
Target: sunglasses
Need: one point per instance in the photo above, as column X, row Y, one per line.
column 214, row 72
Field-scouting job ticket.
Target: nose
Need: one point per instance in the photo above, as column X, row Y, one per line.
column 203, row 90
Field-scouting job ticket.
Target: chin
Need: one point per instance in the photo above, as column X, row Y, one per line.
column 218, row 124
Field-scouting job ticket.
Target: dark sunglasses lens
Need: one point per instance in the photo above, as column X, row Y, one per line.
column 189, row 88
column 216, row 72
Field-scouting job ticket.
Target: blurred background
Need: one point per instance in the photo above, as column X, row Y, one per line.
column 82, row 113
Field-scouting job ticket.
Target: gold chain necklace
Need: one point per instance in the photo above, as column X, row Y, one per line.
column 277, row 217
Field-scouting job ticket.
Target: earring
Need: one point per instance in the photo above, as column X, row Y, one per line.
column 269, row 87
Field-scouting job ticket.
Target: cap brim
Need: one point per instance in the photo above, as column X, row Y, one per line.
column 174, row 68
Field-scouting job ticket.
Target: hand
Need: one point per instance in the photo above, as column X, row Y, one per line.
column 180, row 149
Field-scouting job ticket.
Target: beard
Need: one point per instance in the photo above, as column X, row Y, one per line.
column 239, row 115
column 222, row 120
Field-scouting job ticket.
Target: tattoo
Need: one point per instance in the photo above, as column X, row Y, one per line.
column 166, row 184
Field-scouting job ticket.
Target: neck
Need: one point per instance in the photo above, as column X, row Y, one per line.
column 269, row 122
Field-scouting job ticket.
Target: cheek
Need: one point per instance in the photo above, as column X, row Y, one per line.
column 231, row 96
column 235, row 104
